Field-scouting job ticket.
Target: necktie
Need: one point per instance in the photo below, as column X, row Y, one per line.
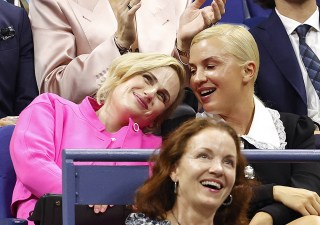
column 309, row 58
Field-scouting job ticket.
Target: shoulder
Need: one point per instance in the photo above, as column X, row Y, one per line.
column 291, row 120
column 9, row 11
column 51, row 99
column 141, row 218
column 299, row 131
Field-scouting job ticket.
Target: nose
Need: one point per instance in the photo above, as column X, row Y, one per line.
column 199, row 77
column 216, row 167
column 149, row 93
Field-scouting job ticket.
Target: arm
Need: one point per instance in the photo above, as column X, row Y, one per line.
column 303, row 175
column 33, row 151
column 71, row 53
column 26, row 87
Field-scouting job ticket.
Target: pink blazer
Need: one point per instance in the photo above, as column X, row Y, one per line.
column 73, row 40
column 49, row 125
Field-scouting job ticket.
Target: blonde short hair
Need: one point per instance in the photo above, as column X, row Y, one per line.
column 239, row 42
column 129, row 65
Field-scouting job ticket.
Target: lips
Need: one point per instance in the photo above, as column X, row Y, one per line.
column 205, row 92
column 211, row 184
column 141, row 101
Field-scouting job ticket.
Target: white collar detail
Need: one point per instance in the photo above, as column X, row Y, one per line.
column 266, row 131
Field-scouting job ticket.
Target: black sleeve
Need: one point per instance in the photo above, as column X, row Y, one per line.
column 300, row 135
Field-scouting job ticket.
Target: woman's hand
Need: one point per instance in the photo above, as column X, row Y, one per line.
column 301, row 200
column 193, row 20
column 125, row 12
column 261, row 218
column 100, row 208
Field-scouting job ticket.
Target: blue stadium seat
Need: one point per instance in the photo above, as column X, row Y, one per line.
column 7, row 178
column 236, row 11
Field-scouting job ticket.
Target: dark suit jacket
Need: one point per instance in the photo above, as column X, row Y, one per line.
column 299, row 135
column 279, row 84
column 17, row 78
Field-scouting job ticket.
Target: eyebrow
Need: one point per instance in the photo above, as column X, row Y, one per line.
column 153, row 77
column 210, row 58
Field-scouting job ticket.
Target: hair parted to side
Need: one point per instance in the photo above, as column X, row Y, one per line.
column 238, row 42
column 129, row 65
column 157, row 196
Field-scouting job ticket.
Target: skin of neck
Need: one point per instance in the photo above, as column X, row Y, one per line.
column 298, row 11
column 187, row 214
column 109, row 116
column 240, row 116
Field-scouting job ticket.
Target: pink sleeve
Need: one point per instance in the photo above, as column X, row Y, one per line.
column 32, row 149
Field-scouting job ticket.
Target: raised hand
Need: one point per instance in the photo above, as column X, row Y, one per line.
column 125, row 12
column 193, row 20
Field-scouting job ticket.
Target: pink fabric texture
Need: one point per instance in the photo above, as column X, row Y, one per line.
column 49, row 125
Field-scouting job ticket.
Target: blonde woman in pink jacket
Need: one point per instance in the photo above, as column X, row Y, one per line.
column 141, row 90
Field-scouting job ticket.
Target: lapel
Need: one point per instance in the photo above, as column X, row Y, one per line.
column 282, row 53
column 157, row 25
column 96, row 19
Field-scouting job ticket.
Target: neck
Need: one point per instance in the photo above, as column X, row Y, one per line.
column 299, row 11
column 240, row 116
column 190, row 215
column 110, row 118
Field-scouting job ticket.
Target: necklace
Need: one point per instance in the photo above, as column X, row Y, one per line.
column 175, row 218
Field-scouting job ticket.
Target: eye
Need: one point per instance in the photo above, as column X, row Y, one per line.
column 147, row 78
column 203, row 156
column 192, row 71
column 210, row 67
column 162, row 96
column 229, row 162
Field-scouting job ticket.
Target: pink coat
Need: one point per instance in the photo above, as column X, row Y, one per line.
column 49, row 125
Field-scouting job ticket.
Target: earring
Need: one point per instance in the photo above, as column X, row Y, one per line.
column 228, row 201
column 175, row 187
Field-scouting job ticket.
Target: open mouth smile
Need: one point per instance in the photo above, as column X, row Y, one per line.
column 212, row 185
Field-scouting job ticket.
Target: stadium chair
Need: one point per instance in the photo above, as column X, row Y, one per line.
column 7, row 179
column 85, row 184
column 92, row 184
column 236, row 11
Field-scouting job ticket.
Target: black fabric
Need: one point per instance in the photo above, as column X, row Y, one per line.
column 185, row 111
column 299, row 135
column 48, row 211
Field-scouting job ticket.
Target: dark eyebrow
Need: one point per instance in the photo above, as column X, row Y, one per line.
column 153, row 78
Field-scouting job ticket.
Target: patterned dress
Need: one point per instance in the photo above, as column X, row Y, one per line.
column 142, row 219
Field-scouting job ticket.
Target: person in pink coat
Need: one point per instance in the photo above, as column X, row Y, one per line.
column 141, row 90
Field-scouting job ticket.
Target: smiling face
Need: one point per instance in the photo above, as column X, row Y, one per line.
column 145, row 96
column 206, row 172
column 216, row 76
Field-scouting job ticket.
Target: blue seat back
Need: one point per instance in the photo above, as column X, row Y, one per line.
column 256, row 10
column 236, row 11
column 100, row 184
column 7, row 174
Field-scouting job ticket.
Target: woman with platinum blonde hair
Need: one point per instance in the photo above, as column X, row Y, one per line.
column 141, row 90
column 224, row 63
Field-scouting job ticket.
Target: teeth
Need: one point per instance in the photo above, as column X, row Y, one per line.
column 211, row 184
column 207, row 92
